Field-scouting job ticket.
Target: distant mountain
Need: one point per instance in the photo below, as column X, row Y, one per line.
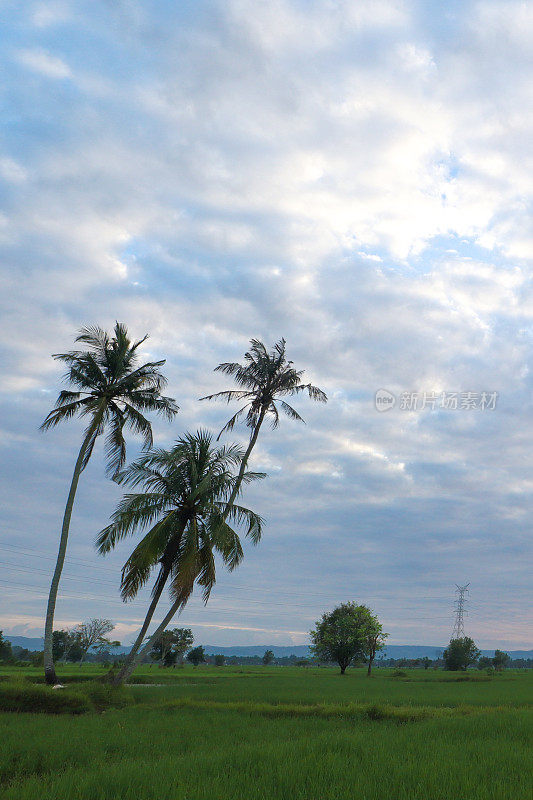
column 258, row 650
column 38, row 644
column 24, row 641
column 302, row 650
column 391, row 651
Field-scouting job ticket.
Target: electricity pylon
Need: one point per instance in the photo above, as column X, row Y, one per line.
column 459, row 626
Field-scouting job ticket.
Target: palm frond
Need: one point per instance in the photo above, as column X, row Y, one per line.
column 290, row 412
column 94, row 336
column 63, row 410
column 249, row 519
column 138, row 424
column 144, row 558
column 134, row 512
column 228, row 396
column 230, row 424
column 206, row 570
column 115, row 446
column 314, row 392
column 151, row 400
column 226, row 541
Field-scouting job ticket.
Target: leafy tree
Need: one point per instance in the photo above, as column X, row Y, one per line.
column 183, row 640
column 113, row 391
column 374, row 640
column 196, row 656
column 61, row 642
column 346, row 634
column 268, row 657
column 426, row 662
column 75, row 651
column 172, row 645
column 484, row 662
column 161, row 648
column 6, row 652
column 220, row 660
column 104, row 647
column 37, row 658
column 266, row 378
column 501, row 660
column 184, row 505
column 460, row 653
column 92, row 634
column 20, row 653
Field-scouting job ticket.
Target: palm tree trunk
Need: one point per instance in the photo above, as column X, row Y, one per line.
column 127, row 668
column 244, row 462
column 49, row 670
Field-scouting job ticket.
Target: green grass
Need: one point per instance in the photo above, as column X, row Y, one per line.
column 280, row 733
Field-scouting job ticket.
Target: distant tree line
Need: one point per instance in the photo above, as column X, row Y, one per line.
column 11, row 654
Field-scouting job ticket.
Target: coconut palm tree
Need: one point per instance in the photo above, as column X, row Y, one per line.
column 266, row 379
column 113, row 392
column 183, row 505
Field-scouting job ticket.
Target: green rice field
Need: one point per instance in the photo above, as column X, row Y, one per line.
column 239, row 733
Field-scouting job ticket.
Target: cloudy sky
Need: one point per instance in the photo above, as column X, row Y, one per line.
column 355, row 177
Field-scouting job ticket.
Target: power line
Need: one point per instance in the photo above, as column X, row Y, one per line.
column 216, row 598
column 236, row 587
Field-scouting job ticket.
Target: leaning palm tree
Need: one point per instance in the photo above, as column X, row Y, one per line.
column 184, row 497
column 113, row 392
column 266, row 379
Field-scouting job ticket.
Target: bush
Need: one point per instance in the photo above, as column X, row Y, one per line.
column 375, row 712
column 18, row 697
column 103, row 695
column 398, row 673
column 22, row 696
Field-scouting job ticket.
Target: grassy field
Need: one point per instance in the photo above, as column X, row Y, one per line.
column 240, row 733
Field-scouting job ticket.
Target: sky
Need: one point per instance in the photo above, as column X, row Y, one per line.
column 354, row 177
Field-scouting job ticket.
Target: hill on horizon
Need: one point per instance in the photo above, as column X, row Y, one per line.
column 302, row 650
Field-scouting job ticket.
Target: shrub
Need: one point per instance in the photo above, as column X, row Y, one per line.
column 18, row 697
column 103, row 695
column 375, row 712
column 23, row 696
column 398, row 673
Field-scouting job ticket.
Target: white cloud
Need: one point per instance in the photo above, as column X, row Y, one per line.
column 11, row 171
column 336, row 173
column 51, row 13
column 44, row 63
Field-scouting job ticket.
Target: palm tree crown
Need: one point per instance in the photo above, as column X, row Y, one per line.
column 112, row 389
column 266, row 378
column 185, row 495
